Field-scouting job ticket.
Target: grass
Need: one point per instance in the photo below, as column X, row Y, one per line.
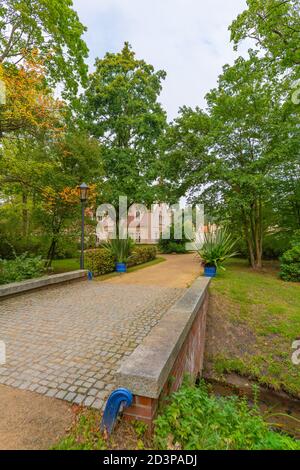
column 72, row 264
column 254, row 319
column 65, row 265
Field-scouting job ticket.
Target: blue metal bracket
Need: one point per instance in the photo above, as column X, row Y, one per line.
column 117, row 401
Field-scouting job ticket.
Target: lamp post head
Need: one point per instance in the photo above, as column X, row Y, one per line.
column 83, row 190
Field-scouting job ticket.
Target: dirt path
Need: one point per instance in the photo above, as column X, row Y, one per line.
column 31, row 421
column 177, row 271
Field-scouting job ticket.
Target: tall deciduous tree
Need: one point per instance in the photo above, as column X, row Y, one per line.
column 250, row 129
column 274, row 25
column 39, row 179
column 234, row 157
column 184, row 151
column 121, row 109
column 49, row 28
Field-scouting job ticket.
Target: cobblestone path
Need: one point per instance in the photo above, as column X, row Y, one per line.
column 67, row 342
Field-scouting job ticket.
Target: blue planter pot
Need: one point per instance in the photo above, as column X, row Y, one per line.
column 121, row 267
column 210, row 271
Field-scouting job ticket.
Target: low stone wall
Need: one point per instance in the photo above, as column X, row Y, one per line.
column 173, row 348
column 16, row 288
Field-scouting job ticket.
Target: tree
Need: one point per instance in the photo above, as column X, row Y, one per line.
column 49, row 28
column 184, row 149
column 274, row 25
column 28, row 100
column 233, row 156
column 121, row 110
column 45, row 172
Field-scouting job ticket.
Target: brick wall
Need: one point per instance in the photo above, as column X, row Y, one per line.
column 188, row 361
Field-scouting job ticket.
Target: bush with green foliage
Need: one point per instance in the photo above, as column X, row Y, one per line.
column 290, row 265
column 99, row 261
column 142, row 254
column 121, row 249
column 21, row 268
column 102, row 261
column 275, row 245
column 170, row 244
column 67, row 247
column 17, row 245
column 196, row 420
column 295, row 240
column 218, row 246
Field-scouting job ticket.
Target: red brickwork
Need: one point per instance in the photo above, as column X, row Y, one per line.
column 189, row 361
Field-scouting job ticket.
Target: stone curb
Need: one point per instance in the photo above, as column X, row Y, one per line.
column 147, row 369
column 8, row 290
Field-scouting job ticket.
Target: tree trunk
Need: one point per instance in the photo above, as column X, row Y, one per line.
column 56, row 226
column 253, row 233
column 51, row 252
column 25, row 218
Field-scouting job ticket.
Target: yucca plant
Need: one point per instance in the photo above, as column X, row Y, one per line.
column 120, row 249
column 218, row 246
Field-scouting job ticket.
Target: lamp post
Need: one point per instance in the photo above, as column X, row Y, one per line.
column 83, row 188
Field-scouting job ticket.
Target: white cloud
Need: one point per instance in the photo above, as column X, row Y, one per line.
column 189, row 39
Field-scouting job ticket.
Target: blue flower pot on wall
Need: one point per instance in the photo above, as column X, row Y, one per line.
column 210, row 271
column 121, row 267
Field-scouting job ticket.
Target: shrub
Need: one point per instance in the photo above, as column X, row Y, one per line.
column 120, row 249
column 142, row 254
column 21, row 268
column 295, row 241
column 172, row 244
column 102, row 261
column 290, row 264
column 218, row 246
column 198, row 421
column 99, row 261
column 67, row 247
column 33, row 245
column 276, row 244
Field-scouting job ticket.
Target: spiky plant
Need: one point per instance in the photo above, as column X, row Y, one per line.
column 120, row 249
column 218, row 246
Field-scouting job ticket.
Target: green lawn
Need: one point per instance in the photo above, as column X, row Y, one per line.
column 65, row 265
column 254, row 319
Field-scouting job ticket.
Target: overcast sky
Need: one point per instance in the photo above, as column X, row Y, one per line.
column 189, row 39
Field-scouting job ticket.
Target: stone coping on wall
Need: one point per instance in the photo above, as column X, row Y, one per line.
column 147, row 369
column 16, row 288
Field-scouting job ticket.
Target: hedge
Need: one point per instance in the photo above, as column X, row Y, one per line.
column 142, row 254
column 100, row 261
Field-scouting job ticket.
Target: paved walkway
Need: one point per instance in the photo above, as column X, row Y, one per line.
column 66, row 342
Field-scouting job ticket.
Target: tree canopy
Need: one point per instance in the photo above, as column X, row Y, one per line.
column 121, row 110
column 233, row 157
column 49, row 28
column 275, row 27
